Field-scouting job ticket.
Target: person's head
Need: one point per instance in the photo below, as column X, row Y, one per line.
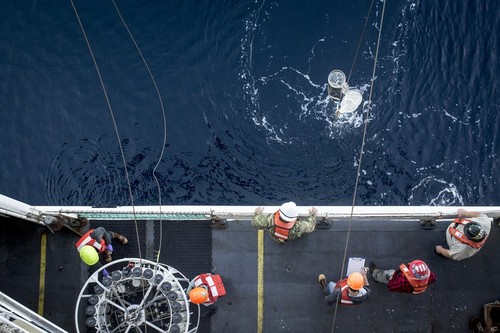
column 89, row 255
column 419, row 270
column 198, row 295
column 288, row 212
column 355, row 281
column 474, row 231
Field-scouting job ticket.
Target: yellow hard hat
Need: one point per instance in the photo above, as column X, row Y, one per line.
column 89, row 255
column 356, row 281
column 198, row 295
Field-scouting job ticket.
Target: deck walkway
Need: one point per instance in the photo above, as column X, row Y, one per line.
column 292, row 300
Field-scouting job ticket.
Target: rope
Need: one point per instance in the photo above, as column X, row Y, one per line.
column 360, row 40
column 114, row 124
column 164, row 127
column 118, row 134
column 360, row 155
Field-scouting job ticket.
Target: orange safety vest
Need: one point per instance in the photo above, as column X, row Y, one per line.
column 344, row 292
column 213, row 284
column 282, row 229
column 419, row 286
column 87, row 240
column 462, row 237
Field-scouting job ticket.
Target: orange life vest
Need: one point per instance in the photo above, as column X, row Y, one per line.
column 213, row 284
column 462, row 237
column 282, row 229
column 86, row 239
column 419, row 286
column 344, row 292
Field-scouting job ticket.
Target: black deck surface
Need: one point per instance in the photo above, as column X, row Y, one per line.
column 292, row 298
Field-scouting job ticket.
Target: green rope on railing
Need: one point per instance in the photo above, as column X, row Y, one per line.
column 142, row 216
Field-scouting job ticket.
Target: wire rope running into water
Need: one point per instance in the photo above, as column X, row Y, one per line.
column 164, row 128
column 358, row 171
column 114, row 125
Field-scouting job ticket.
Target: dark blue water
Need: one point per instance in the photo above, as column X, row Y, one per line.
column 248, row 116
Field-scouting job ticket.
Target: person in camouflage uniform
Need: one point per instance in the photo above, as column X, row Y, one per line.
column 283, row 225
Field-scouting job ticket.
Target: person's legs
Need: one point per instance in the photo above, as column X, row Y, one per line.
column 382, row 276
column 330, row 287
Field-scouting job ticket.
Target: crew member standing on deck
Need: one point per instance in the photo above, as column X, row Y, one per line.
column 351, row 291
column 283, row 225
column 206, row 289
column 466, row 235
column 97, row 241
column 408, row 278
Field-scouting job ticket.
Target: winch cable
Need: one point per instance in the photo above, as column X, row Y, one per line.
column 360, row 41
column 358, row 172
column 114, row 125
column 164, row 128
column 163, row 143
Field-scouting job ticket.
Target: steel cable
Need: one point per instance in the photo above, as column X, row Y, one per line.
column 368, row 108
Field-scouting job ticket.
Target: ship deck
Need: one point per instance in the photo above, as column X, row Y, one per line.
column 291, row 300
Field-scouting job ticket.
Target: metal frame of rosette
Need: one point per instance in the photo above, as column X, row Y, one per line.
column 136, row 295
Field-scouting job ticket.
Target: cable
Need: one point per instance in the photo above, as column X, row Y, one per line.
column 360, row 40
column 164, row 126
column 114, row 124
column 360, row 154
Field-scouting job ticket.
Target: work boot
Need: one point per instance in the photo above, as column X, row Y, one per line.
column 323, row 283
column 476, row 324
column 120, row 237
column 372, row 267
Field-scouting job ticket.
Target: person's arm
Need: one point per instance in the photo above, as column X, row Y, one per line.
column 445, row 252
column 308, row 225
column 260, row 220
column 432, row 278
column 463, row 213
column 363, row 272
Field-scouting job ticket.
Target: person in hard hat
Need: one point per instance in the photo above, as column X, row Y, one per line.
column 283, row 225
column 353, row 290
column 206, row 289
column 97, row 241
column 466, row 235
column 413, row 277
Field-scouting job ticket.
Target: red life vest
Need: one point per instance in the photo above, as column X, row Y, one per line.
column 462, row 237
column 88, row 240
column 282, row 229
column 344, row 292
column 213, row 284
column 419, row 286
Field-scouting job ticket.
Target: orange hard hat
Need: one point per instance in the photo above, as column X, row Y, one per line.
column 198, row 295
column 355, row 281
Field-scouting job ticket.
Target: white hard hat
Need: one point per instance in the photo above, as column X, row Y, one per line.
column 288, row 211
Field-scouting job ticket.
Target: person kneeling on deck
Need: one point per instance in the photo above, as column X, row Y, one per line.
column 466, row 235
column 408, row 278
column 351, row 291
column 97, row 241
column 283, row 225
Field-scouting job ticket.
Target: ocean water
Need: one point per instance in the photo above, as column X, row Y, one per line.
column 248, row 118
